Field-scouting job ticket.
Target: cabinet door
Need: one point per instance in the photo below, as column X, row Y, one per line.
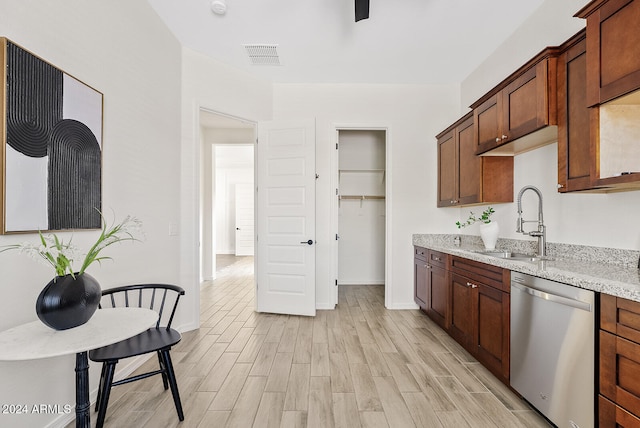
column 447, row 170
column 462, row 316
column 488, row 124
column 438, row 296
column 613, row 49
column 491, row 335
column 612, row 416
column 469, row 165
column 620, row 371
column 529, row 102
column 420, row 278
column 574, row 127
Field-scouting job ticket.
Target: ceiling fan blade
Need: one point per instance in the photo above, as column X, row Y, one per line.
column 362, row 9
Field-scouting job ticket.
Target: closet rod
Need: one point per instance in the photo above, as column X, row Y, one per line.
column 360, row 197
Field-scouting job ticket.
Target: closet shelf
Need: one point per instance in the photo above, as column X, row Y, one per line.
column 361, row 171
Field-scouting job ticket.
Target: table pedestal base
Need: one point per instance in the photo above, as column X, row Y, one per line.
column 83, row 415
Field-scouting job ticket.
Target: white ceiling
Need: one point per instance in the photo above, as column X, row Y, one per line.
column 403, row 41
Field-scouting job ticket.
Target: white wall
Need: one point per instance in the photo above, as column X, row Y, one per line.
column 413, row 115
column 117, row 47
column 550, row 25
column 603, row 220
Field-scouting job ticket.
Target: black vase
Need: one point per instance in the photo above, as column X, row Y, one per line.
column 68, row 302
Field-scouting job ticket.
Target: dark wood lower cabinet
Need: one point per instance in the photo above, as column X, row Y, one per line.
column 480, row 322
column 470, row 301
column 620, row 371
column 431, row 286
column 619, row 400
column 613, row 416
column 420, row 275
column 492, row 330
column 462, row 317
column 438, row 296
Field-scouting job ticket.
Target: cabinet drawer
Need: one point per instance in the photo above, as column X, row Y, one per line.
column 612, row 416
column 620, row 371
column 420, row 253
column 620, row 316
column 493, row 276
column 437, row 258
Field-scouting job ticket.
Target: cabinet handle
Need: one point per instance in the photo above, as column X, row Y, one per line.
column 504, row 137
column 437, row 259
column 497, row 139
column 560, row 186
column 472, row 285
column 427, row 267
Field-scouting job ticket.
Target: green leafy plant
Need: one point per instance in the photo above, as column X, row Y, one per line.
column 61, row 255
column 484, row 218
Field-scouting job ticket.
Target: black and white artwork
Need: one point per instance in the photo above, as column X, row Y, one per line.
column 52, row 147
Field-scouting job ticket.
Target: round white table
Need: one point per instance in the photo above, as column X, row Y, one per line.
column 35, row 340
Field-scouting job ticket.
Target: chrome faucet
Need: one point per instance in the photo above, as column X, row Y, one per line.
column 541, row 233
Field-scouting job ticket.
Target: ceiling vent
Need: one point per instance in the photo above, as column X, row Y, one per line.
column 263, row 54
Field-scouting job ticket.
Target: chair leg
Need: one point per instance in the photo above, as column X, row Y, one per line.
column 164, row 371
column 104, row 368
column 110, row 368
column 166, row 357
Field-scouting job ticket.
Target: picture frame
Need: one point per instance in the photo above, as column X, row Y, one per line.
column 50, row 146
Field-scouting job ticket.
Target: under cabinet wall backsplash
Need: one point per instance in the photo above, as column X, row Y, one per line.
column 619, row 139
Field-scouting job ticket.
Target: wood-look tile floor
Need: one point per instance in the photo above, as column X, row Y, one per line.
column 360, row 365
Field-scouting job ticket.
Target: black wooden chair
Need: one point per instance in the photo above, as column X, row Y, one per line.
column 162, row 298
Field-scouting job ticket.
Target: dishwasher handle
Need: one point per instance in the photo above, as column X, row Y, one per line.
column 578, row 304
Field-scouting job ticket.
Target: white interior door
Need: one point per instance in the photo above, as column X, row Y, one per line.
column 285, row 259
column 244, row 219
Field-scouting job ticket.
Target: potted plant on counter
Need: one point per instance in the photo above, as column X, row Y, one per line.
column 488, row 229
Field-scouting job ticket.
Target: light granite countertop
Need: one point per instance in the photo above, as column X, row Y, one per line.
column 606, row 270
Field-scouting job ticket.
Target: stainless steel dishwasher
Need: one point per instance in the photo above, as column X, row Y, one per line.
column 552, row 349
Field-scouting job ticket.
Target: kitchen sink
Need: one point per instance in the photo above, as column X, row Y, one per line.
column 514, row 256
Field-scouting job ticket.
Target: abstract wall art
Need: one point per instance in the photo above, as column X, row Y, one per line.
column 51, row 146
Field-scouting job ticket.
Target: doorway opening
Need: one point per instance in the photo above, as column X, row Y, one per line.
column 227, row 183
column 361, row 207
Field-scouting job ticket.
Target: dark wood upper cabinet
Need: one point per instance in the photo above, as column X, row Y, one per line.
column 613, row 92
column 518, row 107
column 467, row 179
column 574, row 125
column 613, row 48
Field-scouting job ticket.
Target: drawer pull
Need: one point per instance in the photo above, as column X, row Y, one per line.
column 472, row 285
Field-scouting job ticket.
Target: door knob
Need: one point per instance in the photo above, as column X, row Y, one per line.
column 310, row 242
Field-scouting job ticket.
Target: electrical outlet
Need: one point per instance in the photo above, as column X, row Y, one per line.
column 173, row 228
